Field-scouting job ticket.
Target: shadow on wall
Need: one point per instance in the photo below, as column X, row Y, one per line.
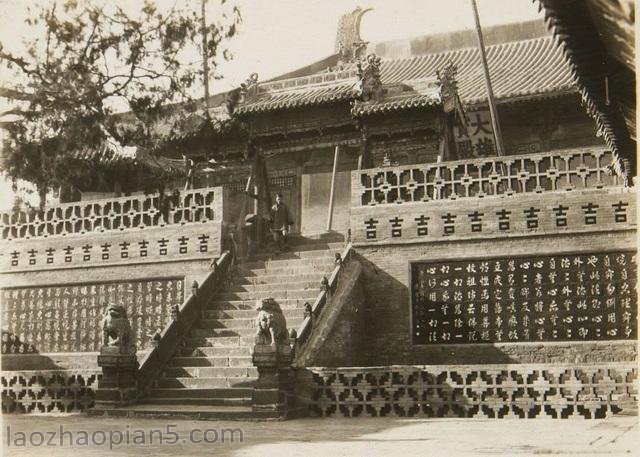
column 35, row 383
column 11, row 344
column 338, row 334
column 20, row 356
column 388, row 331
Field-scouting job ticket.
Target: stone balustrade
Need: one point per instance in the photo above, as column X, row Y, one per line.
column 486, row 177
column 534, row 194
column 52, row 392
column 110, row 232
column 473, row 391
column 114, row 215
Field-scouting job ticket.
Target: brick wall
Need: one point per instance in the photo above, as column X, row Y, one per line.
column 338, row 337
column 58, row 272
column 387, row 320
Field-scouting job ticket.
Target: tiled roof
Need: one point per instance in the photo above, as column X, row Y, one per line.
column 387, row 106
column 399, row 96
column 593, row 38
column 519, row 69
column 313, row 94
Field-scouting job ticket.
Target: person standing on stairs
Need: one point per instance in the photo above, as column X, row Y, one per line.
column 280, row 223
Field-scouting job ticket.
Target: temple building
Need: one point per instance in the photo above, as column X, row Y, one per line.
column 427, row 274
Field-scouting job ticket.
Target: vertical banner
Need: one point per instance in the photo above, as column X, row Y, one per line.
column 477, row 141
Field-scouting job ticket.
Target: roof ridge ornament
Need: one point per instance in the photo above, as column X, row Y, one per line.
column 349, row 45
column 250, row 86
column 448, row 84
column 449, row 96
column 369, row 85
column 247, row 89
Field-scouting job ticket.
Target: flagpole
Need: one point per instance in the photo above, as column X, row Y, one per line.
column 497, row 134
column 205, row 54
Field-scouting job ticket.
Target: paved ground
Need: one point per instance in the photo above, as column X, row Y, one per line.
column 335, row 437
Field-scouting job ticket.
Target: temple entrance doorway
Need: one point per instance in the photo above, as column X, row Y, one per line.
column 315, row 184
column 316, row 188
column 286, row 182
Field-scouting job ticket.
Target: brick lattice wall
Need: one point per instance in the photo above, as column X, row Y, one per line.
column 48, row 391
column 474, row 391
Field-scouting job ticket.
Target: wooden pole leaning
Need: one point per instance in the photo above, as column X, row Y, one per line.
column 333, row 188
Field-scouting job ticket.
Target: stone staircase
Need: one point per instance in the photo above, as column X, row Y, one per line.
column 211, row 375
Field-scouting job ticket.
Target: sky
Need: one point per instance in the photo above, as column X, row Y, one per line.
column 281, row 35
column 277, row 36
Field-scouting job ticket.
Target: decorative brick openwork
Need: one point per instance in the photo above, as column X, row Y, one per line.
column 528, row 173
column 478, row 391
column 48, row 391
column 117, row 214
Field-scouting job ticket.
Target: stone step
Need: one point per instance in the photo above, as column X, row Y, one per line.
column 305, row 244
column 276, row 287
column 311, row 269
column 273, row 265
column 192, row 412
column 326, row 237
column 220, row 332
column 286, row 304
column 303, row 294
column 217, row 361
column 250, row 313
column 241, row 401
column 220, row 341
column 211, row 351
column 212, row 375
column 210, row 372
column 295, row 254
column 242, row 322
column 313, row 278
column 208, row 383
column 217, row 393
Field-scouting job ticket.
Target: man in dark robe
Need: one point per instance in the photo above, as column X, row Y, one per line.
column 280, row 223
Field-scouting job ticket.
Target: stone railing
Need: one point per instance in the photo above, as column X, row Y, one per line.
column 478, row 391
column 115, row 214
column 517, row 174
column 327, row 288
column 183, row 318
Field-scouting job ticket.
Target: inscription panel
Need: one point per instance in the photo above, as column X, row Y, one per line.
column 580, row 297
column 68, row 318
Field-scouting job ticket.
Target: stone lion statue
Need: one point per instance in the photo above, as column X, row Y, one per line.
column 116, row 329
column 270, row 323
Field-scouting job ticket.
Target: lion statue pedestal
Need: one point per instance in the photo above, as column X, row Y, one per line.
column 117, row 358
column 273, row 356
